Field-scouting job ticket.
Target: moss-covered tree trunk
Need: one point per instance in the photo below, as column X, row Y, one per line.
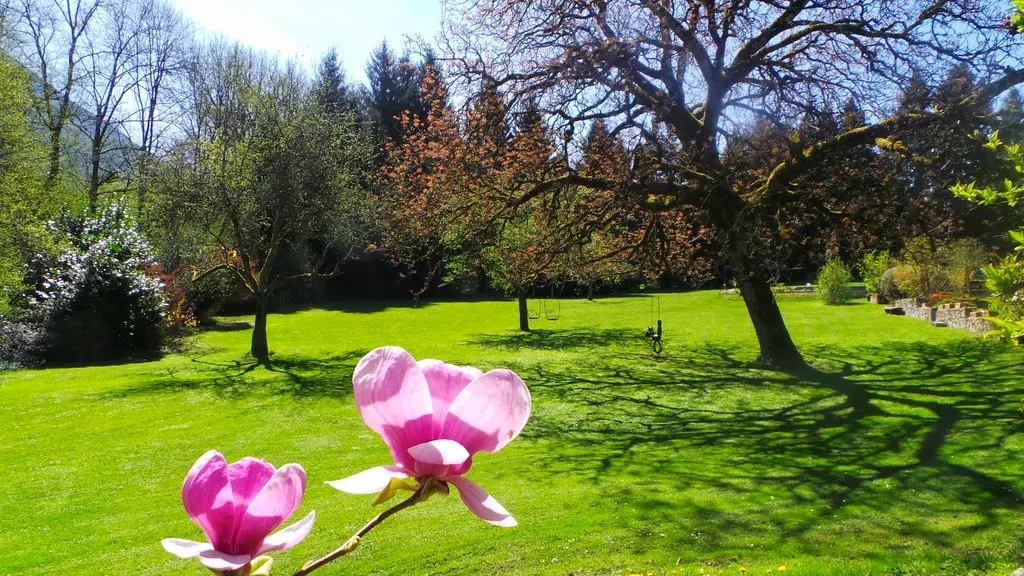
column 776, row 345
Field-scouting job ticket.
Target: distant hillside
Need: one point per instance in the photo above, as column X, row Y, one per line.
column 76, row 145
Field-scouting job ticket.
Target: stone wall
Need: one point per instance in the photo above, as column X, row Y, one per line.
column 965, row 318
column 958, row 315
column 916, row 308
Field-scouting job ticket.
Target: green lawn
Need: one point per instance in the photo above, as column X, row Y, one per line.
column 900, row 453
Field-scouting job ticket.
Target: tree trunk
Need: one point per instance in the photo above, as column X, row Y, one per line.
column 94, row 177
column 524, row 314
column 485, row 282
column 777, row 347
column 590, row 291
column 259, row 349
column 54, row 169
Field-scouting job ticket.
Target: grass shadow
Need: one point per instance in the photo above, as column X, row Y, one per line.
column 573, row 339
column 355, row 306
column 910, row 431
column 294, row 376
column 221, row 326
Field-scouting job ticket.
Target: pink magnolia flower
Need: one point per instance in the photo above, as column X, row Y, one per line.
column 434, row 417
column 237, row 506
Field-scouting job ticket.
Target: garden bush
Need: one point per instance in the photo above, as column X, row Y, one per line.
column 873, row 267
column 887, row 287
column 1005, row 280
column 964, row 260
column 22, row 340
column 920, row 281
column 93, row 302
column 922, row 271
column 833, row 282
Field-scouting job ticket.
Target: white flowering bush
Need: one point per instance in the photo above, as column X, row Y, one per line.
column 93, row 302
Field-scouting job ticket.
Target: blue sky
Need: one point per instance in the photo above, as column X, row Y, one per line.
column 305, row 29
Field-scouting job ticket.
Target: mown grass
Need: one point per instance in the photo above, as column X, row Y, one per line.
column 898, row 453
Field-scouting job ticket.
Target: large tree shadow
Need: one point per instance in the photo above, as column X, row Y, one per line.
column 547, row 339
column 294, row 376
column 366, row 306
column 908, row 432
column 914, row 439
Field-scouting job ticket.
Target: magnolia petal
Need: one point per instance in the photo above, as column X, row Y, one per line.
column 489, row 413
column 206, row 494
column 445, row 382
column 482, row 504
column 278, row 499
column 290, row 536
column 248, row 476
column 370, row 481
column 221, row 562
column 444, row 452
column 185, row 548
column 393, row 398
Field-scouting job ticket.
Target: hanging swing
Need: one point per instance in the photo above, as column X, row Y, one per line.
column 553, row 311
column 655, row 333
column 533, row 306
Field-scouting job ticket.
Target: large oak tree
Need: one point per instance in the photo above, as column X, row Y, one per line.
column 698, row 70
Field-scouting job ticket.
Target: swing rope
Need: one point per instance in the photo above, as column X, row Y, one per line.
column 533, row 312
column 556, row 310
column 655, row 333
column 651, row 323
column 654, row 297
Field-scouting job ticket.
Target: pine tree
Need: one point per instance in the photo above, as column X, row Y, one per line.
column 384, row 100
column 852, row 116
column 928, row 162
column 394, row 89
column 917, row 96
column 1011, row 118
column 331, row 90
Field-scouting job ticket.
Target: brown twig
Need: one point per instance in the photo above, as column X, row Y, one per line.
column 353, row 542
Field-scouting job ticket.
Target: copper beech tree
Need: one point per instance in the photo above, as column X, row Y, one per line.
column 457, row 192
column 697, row 70
column 451, row 196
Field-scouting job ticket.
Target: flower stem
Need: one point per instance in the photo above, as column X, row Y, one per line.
column 353, row 542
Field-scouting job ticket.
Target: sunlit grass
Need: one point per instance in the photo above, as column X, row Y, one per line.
column 900, row 452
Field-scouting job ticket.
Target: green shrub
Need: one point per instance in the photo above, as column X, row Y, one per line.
column 872, row 267
column 1005, row 278
column 833, row 282
column 921, row 281
column 964, row 260
column 887, row 286
column 1006, row 330
column 923, row 270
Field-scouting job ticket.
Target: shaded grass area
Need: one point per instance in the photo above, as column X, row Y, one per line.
column 896, row 453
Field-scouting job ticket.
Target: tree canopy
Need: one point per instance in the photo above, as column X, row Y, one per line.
column 695, row 73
